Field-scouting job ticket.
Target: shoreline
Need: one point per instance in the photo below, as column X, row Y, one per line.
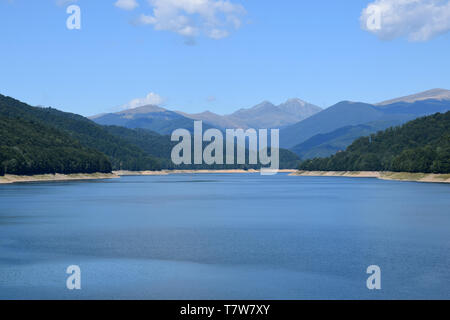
column 393, row 176
column 9, row 178
column 201, row 171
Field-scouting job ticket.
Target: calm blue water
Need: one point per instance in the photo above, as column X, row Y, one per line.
column 219, row 236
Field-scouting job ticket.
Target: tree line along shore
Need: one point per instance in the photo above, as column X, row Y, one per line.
column 383, row 175
column 398, row 176
column 419, row 146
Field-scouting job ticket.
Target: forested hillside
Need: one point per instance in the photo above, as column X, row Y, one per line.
column 37, row 140
column 161, row 147
column 422, row 145
column 152, row 143
column 120, row 153
column 28, row 148
column 328, row 144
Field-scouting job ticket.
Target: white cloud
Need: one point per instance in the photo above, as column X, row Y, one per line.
column 126, row 4
column 62, row 3
column 151, row 98
column 418, row 20
column 191, row 18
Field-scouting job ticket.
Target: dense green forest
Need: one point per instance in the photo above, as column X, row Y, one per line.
column 120, row 153
column 29, row 148
column 152, row 143
column 422, row 145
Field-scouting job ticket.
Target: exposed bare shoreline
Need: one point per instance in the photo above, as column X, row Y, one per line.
column 7, row 179
column 56, row 177
column 398, row 176
column 167, row 172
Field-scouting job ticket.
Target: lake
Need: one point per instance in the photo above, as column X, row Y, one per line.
column 225, row 236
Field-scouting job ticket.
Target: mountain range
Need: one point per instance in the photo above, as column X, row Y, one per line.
column 336, row 127
column 45, row 140
column 433, row 94
column 305, row 128
column 149, row 117
column 264, row 115
column 40, row 140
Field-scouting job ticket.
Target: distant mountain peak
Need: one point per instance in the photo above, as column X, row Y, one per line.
column 297, row 101
column 263, row 115
column 143, row 109
column 435, row 94
column 268, row 115
column 207, row 113
column 132, row 112
column 349, row 102
column 263, row 104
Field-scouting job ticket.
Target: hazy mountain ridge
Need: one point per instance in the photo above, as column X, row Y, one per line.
column 300, row 122
column 265, row 115
column 215, row 120
column 268, row 115
column 346, row 114
column 340, row 115
column 327, row 144
column 262, row 116
column 149, row 117
column 433, row 94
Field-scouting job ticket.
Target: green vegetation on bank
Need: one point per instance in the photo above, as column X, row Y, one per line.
column 422, row 145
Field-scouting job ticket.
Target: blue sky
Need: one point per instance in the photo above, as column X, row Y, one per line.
column 313, row 50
